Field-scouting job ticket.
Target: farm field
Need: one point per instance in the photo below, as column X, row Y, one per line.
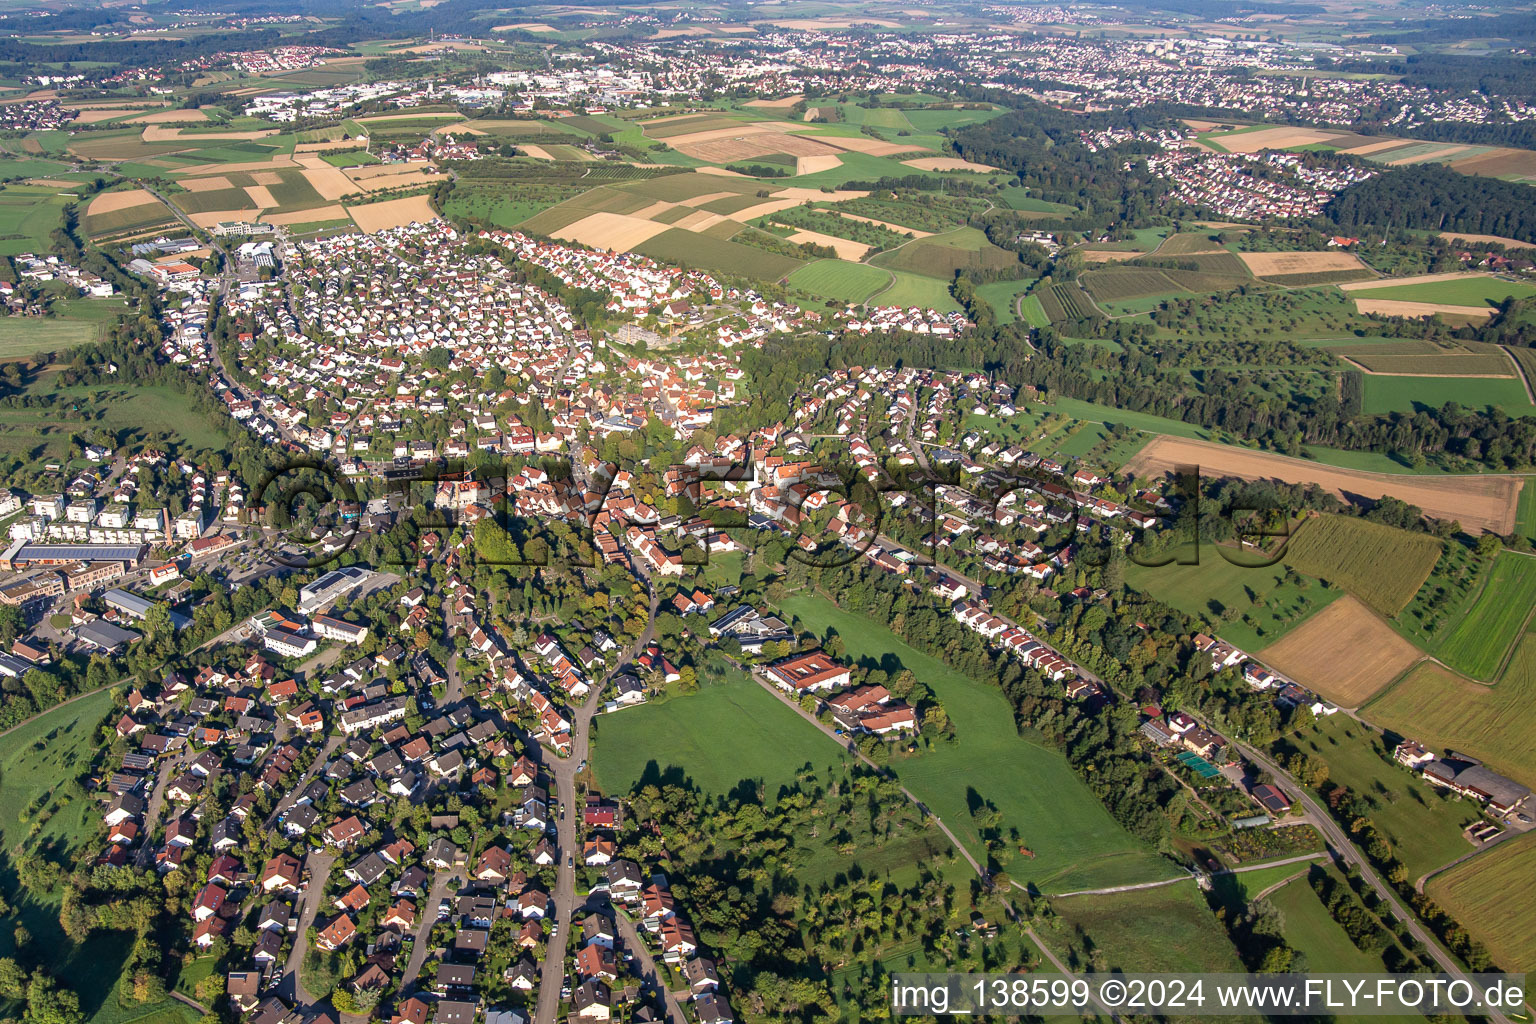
column 1346, row 653
column 1444, row 710
column 1281, row 264
column 1494, row 897
column 21, row 336
column 1468, row 290
column 28, row 215
column 768, row 742
column 1215, row 585
column 1422, row 823
column 1410, row 394
column 1076, row 843
column 915, row 290
column 1003, row 297
column 1382, row 566
column 1483, row 636
column 1165, row 929
column 1479, row 503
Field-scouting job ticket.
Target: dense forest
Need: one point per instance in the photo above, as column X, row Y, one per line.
column 1438, row 199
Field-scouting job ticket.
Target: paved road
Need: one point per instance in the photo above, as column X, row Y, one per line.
column 1343, row 848
column 292, row 795
column 650, row 973
column 552, row 969
column 290, row 988
column 426, row 918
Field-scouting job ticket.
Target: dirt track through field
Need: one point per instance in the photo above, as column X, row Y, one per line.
column 1482, row 504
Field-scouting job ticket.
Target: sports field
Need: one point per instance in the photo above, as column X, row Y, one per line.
column 1494, row 897
column 1482, row 638
column 1076, row 843
column 839, row 279
column 1380, row 565
column 1444, row 710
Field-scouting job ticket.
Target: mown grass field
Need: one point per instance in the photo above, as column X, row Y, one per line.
column 1480, row 641
column 21, row 336
column 1164, row 929
column 1382, row 566
column 28, row 215
column 1466, row 291
column 1446, row 711
column 1003, row 297
column 1412, row 394
column 840, row 279
column 729, row 732
column 1076, row 843
column 1271, row 603
column 913, row 290
column 1421, row 822
column 1310, row 929
column 1494, row 898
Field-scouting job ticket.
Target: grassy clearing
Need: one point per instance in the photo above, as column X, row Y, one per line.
column 1483, row 636
column 1422, row 823
column 1003, row 297
column 1271, row 601
column 1382, row 566
column 682, row 738
column 133, row 412
column 1312, row 930
column 1075, row 841
column 1164, row 929
column 36, row 761
column 1446, row 711
column 20, row 336
column 1494, row 897
column 28, row 215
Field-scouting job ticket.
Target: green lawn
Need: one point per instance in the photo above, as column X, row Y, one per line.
column 350, row 158
column 1467, row 291
column 1483, row 637
column 1270, row 604
column 1422, row 824
column 1075, row 841
column 731, row 731
column 1164, row 929
column 24, row 335
column 1411, row 394
column 840, row 279
column 1003, row 296
column 132, row 411
column 1312, row 930
column 915, row 290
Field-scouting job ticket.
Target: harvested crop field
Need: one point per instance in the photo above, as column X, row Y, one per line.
column 1481, row 504
column 391, row 213
column 261, row 196
column 170, row 116
column 1270, row 138
column 845, row 249
column 782, row 103
column 946, row 163
column 1519, row 164
column 1374, row 146
column 1508, row 243
column 1494, row 897
column 312, row 215
column 111, row 202
column 872, row 147
column 329, row 181
column 1266, row 264
column 1394, row 282
column 1345, row 652
column 209, row 218
column 1395, row 307
column 213, row 184
column 615, row 231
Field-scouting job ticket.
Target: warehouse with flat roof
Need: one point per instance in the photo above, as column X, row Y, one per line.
column 23, row 553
